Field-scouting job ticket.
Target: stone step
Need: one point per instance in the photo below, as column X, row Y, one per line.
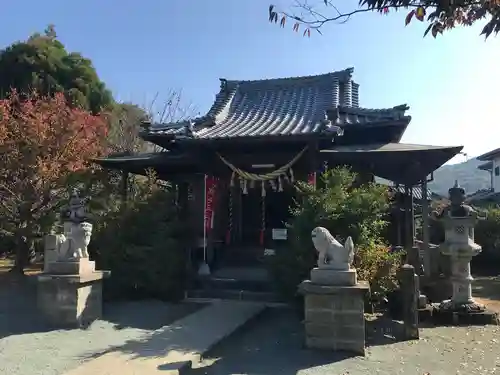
column 172, row 349
column 271, row 305
column 233, row 294
column 238, row 284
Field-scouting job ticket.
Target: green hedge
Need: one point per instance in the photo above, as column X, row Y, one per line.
column 142, row 245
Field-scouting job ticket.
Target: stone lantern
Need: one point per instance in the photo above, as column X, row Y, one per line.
column 459, row 220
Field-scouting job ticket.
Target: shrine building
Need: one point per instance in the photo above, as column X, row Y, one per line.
column 259, row 137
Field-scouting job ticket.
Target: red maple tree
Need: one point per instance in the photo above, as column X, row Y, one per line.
column 44, row 143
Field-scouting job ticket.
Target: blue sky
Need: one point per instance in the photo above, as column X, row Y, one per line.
column 141, row 48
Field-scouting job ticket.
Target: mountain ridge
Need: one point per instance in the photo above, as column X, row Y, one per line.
column 467, row 174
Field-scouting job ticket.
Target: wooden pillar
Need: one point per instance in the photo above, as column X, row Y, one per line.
column 399, row 227
column 238, row 212
column 425, row 228
column 183, row 199
column 409, row 217
column 183, row 204
column 313, row 158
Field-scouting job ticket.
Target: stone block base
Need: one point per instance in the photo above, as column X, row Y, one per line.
column 71, row 267
column 70, row 300
column 326, row 276
column 437, row 289
column 334, row 316
column 450, row 317
column 425, row 313
column 422, row 301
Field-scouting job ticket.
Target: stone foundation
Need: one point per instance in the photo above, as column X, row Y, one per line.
column 70, row 293
column 446, row 316
column 334, row 316
column 70, row 300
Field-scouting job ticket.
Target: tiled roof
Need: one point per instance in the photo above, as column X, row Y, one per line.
column 283, row 106
column 485, row 195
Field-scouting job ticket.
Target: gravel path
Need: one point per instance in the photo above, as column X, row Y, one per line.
column 28, row 346
column 270, row 345
column 273, row 345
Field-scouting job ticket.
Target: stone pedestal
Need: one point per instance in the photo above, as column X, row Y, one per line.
column 70, row 293
column 334, row 314
column 51, row 250
column 82, row 266
column 328, row 276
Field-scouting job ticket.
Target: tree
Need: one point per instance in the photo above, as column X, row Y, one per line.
column 130, row 241
column 441, row 15
column 42, row 63
column 124, row 125
column 346, row 209
column 126, row 118
column 45, row 147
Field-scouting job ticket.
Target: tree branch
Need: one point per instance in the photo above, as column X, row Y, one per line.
column 443, row 14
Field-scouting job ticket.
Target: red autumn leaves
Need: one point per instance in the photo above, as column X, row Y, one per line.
column 43, row 140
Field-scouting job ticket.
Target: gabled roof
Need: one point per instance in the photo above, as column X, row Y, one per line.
column 490, row 155
column 283, row 106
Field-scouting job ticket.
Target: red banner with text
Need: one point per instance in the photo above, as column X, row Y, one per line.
column 210, row 190
column 311, row 179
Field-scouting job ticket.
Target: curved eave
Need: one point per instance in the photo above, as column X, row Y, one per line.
column 141, row 162
column 352, row 133
column 401, row 163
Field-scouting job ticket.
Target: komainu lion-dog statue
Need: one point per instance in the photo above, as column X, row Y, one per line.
column 331, row 253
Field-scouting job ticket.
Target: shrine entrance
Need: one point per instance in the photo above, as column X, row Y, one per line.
column 252, row 214
column 251, row 218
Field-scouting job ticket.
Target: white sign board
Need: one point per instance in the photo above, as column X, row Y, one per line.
column 280, row 233
column 269, row 252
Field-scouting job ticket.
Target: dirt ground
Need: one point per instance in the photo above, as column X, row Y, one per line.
column 486, row 290
column 8, row 279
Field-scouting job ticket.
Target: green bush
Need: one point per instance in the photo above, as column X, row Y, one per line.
column 346, row 210
column 487, row 234
column 141, row 243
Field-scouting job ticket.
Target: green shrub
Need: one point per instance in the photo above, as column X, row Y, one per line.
column 141, row 243
column 487, row 234
column 378, row 266
column 346, row 210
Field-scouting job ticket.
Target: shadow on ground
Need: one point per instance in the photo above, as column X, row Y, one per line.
column 271, row 344
column 486, row 284
column 146, row 315
column 486, row 287
column 19, row 314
